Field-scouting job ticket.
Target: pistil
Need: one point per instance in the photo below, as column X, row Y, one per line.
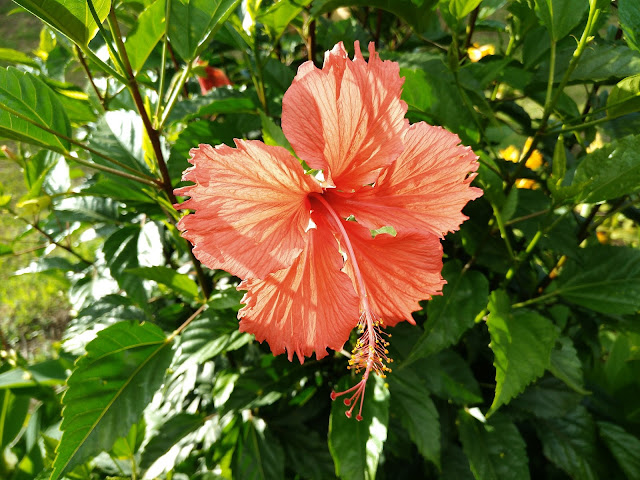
column 370, row 352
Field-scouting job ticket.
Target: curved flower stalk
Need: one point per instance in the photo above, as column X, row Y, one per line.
column 312, row 269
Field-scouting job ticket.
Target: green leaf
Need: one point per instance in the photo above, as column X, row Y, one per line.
column 495, row 449
column 47, row 373
column 13, row 413
column 193, row 22
column 462, row 8
column 610, row 171
column 108, row 390
column 22, row 94
column 217, row 101
column 178, row 282
column 71, row 17
column 547, row 398
column 356, row 446
column 521, row 342
column 599, row 63
column 561, row 16
column 410, row 400
column 624, row 97
column 212, row 333
column 566, row 366
column 147, row 32
column 570, row 443
column 418, row 16
column 629, row 15
column 306, row 451
column 119, row 134
column 450, row 378
column 624, row 447
column 121, row 254
column 279, row 15
column 258, row 455
column 430, row 94
column 272, row 134
column 453, row 313
column 170, row 433
column 14, row 56
column 603, row 278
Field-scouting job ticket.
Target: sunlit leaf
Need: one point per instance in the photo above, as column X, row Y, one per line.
column 521, row 341
column 71, row 17
column 108, row 390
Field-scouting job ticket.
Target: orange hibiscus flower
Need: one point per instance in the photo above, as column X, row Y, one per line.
column 303, row 244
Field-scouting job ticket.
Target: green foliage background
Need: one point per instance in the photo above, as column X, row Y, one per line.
column 526, row 367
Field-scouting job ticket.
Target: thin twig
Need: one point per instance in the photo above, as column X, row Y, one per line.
column 85, row 67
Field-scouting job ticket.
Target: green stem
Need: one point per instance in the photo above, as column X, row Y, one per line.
column 582, row 43
column 175, row 93
column 85, row 67
column 503, row 231
column 552, row 73
column 102, row 65
column 163, row 63
column 51, row 239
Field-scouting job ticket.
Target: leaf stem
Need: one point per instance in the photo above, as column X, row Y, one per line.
column 51, row 239
column 140, row 176
column 186, row 323
column 85, row 67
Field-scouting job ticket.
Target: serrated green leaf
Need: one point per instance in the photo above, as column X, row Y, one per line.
column 212, row 333
column 495, row 449
column 71, row 17
column 193, row 22
column 147, row 32
column 547, row 398
column 109, row 389
column 26, row 95
column 603, row 278
column 624, row 97
column 570, row 443
column 624, row 447
column 258, row 455
column 566, row 366
column 356, row 446
column 178, row 282
column 610, row 171
column 629, row 15
column 521, row 342
column 560, row 16
column 453, row 313
column 410, row 400
column 169, row 433
column 450, row 378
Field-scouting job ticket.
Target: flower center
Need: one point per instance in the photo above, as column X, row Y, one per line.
column 370, row 352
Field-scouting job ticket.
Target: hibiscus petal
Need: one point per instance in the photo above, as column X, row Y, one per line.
column 304, row 308
column 346, row 119
column 397, row 271
column 250, row 204
column 424, row 190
